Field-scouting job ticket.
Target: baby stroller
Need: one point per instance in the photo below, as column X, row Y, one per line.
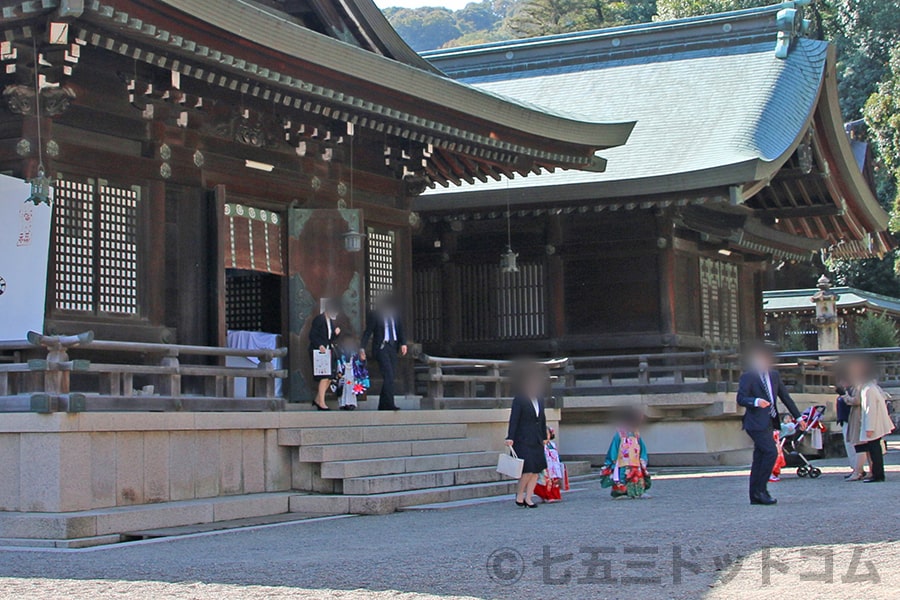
column 792, row 435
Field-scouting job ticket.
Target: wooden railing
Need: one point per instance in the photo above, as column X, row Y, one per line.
column 649, row 373
column 452, row 379
column 45, row 385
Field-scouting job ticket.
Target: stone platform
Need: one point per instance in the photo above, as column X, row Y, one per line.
column 89, row 478
column 78, row 479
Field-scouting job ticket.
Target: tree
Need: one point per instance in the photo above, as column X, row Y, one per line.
column 424, row 29
column 882, row 113
column 533, row 18
column 678, row 9
column 794, row 336
column 876, row 331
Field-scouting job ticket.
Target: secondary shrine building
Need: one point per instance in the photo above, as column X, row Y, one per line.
column 739, row 160
column 214, row 160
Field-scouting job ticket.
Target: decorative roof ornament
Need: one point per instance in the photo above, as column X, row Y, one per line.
column 791, row 26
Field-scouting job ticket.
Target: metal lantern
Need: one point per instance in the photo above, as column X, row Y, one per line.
column 508, row 261
column 40, row 188
column 353, row 240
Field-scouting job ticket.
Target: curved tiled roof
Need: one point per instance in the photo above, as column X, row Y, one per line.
column 728, row 114
column 791, row 300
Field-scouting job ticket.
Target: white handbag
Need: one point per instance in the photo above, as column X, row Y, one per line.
column 509, row 464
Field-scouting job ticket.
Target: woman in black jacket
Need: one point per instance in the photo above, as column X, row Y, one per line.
column 322, row 333
column 528, row 433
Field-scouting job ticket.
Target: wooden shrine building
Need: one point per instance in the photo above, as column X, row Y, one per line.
column 210, row 158
column 739, row 160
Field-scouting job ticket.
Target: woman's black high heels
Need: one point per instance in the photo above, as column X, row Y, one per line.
column 519, row 503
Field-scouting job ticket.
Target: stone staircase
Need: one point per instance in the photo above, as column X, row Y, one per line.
column 383, row 468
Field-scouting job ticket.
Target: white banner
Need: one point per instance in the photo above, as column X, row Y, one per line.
column 24, row 250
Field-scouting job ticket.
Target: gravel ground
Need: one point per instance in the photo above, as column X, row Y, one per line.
column 697, row 537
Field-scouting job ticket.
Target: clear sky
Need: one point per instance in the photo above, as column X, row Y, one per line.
column 453, row 4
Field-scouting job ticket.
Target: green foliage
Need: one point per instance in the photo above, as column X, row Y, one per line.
column 794, row 338
column 876, row 331
column 677, row 9
column 870, row 274
column 882, row 113
column 428, row 28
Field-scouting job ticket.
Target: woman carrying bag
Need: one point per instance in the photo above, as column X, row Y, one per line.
column 528, row 433
column 323, row 331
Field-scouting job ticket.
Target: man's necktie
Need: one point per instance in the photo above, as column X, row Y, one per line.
column 773, row 412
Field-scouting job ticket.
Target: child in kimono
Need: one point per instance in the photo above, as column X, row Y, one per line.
column 553, row 480
column 625, row 469
column 351, row 375
column 787, row 429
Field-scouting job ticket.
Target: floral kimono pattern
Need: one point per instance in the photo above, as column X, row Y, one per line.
column 552, row 481
column 351, row 379
column 625, row 469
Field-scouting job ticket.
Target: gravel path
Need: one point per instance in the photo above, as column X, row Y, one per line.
column 696, row 538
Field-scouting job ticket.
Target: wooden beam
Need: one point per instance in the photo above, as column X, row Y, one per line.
column 799, row 212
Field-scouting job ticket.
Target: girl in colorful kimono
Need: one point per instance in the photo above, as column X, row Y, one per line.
column 351, row 374
column 625, row 469
column 552, row 481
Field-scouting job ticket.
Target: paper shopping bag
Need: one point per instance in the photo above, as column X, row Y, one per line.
column 322, row 363
column 510, row 465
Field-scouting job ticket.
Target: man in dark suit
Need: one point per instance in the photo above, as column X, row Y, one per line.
column 759, row 390
column 384, row 328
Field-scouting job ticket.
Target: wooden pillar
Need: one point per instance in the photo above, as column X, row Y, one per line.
column 556, row 283
column 153, row 233
column 450, row 299
column 667, row 285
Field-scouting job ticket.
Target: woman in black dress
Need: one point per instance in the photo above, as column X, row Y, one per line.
column 528, row 433
column 322, row 333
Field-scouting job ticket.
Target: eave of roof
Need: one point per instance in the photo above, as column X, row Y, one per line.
column 271, row 30
column 212, row 39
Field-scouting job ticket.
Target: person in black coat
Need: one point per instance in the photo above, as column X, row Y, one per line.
column 384, row 328
column 528, row 433
column 759, row 390
column 323, row 331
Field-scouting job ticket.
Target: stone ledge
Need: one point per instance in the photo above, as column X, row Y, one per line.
column 100, row 524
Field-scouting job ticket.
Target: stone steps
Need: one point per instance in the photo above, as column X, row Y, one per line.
column 321, row 436
column 347, row 469
column 378, row 504
column 360, row 451
column 382, row 484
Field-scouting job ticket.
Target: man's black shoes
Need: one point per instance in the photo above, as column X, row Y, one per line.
column 763, row 500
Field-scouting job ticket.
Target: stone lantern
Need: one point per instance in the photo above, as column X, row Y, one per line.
column 826, row 319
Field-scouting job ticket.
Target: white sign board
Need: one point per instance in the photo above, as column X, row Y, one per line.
column 24, row 250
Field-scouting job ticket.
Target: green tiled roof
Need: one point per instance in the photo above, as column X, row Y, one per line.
column 716, row 114
column 793, row 300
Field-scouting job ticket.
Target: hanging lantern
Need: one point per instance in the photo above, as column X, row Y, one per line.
column 40, row 188
column 508, row 261
column 353, row 240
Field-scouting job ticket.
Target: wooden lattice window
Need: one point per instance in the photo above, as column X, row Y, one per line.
column 501, row 306
column 118, row 254
column 380, row 272
column 74, row 245
column 244, row 302
column 520, row 303
column 95, row 247
column 428, row 303
column 719, row 303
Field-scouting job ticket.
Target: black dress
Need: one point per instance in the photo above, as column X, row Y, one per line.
column 319, row 336
column 528, row 431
